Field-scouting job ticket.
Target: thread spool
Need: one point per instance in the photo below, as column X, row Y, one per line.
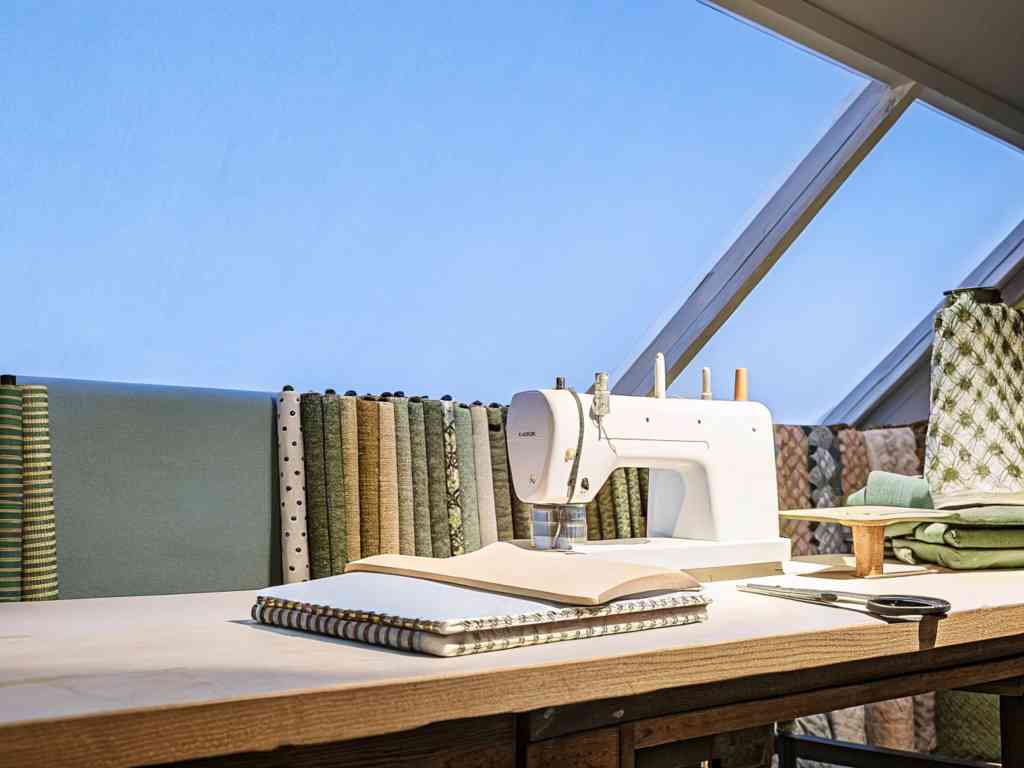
column 705, row 383
column 740, row 388
column 659, row 375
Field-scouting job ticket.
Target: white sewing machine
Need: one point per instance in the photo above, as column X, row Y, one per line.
column 712, row 499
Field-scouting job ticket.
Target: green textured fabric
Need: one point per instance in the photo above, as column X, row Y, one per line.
column 636, row 512
column 620, row 502
column 967, row 725
column 420, row 482
column 453, row 480
column 368, row 426
column 593, row 521
column 606, row 509
column 888, row 489
column 11, row 493
column 312, row 415
column 913, row 551
column 403, row 453
column 334, row 484
column 433, row 425
column 963, row 537
column 348, row 409
column 499, row 471
column 467, row 477
column 645, row 481
column 39, row 525
column 521, row 511
column 975, row 443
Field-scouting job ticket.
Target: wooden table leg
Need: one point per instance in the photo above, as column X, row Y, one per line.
column 869, row 549
column 1011, row 730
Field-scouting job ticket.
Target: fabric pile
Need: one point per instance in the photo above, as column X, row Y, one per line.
column 390, row 474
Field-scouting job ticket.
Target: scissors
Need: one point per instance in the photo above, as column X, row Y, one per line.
column 879, row 605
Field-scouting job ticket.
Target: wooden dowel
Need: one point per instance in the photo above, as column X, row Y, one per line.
column 740, row 388
column 868, row 549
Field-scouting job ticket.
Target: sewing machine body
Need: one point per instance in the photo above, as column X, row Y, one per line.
column 713, row 498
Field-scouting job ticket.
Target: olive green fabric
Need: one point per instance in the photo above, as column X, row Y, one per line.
column 334, row 484
column 349, row 419
column 500, row 473
column 644, row 475
column 522, row 527
column 317, row 526
column 467, row 477
column 433, row 424
column 963, row 537
column 888, row 489
column 620, row 503
column 593, row 521
column 635, row 508
column 387, row 487
column 368, row 423
column 484, row 477
column 968, row 725
column 11, row 493
column 453, row 480
column 913, row 551
column 403, row 455
column 39, row 531
column 420, row 483
column 606, row 509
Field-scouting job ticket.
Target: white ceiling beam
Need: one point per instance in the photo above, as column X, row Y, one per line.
column 767, row 237
column 809, row 26
column 999, row 269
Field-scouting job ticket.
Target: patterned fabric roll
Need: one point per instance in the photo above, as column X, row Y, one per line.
column 388, row 503
column 521, row 525
column 420, row 482
column 635, row 511
column 334, row 484
column 403, row 453
column 892, row 449
column 368, row 423
column 11, row 493
column 467, row 477
column 312, row 414
column 499, row 471
column 848, row 725
column 440, row 534
column 794, row 485
column 620, row 502
column 645, row 482
column 890, row 723
column 854, row 454
column 484, row 476
column 292, row 480
column 39, row 526
column 606, row 509
column 348, row 412
column 593, row 522
column 453, row 480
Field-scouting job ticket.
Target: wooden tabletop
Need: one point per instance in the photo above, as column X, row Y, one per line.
column 134, row 680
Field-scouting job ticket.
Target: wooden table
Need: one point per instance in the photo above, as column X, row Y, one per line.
column 150, row 680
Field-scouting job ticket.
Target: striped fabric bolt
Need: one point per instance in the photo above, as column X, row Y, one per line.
column 11, row 493
column 39, row 526
column 484, row 476
column 369, row 475
column 347, row 410
column 420, row 481
column 620, row 502
column 606, row 509
column 499, row 471
column 644, row 474
column 387, row 501
column 521, row 524
column 593, row 521
column 433, row 425
column 467, row 477
column 635, row 508
column 334, row 482
column 312, row 415
column 292, row 491
column 403, row 454
column 453, row 480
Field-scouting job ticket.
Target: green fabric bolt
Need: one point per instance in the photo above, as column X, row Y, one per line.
column 334, row 484
column 312, row 415
column 453, row 480
column 349, row 413
column 963, row 537
column 620, row 502
column 521, row 511
column 888, row 489
column 635, row 509
column 403, row 452
column 967, row 725
column 644, row 475
column 499, row 471
column 913, row 551
column 484, row 478
column 433, row 424
column 593, row 522
column 420, row 482
column 467, row 477
column 11, row 492
column 39, row 525
column 606, row 509
column 368, row 417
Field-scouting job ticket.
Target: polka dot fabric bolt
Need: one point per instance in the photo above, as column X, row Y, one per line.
column 292, row 476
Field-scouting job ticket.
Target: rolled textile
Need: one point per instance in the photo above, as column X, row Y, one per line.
column 334, row 483
column 890, row 723
column 499, row 471
column 962, row 537
column 889, row 489
column 522, row 527
column 853, row 452
column 794, row 486
column 467, row 477
column 368, row 423
column 606, row 509
column 975, row 444
column 420, row 482
column 848, row 725
column 39, row 525
column 914, row 552
column 892, row 449
column 636, row 518
column 403, row 453
column 440, row 533
column 593, row 521
column 387, row 500
column 292, row 481
column 825, row 465
column 452, row 480
column 925, row 737
column 811, row 725
column 348, row 413
column 11, row 492
column 645, row 482
column 312, row 415
column 620, row 502
column 484, row 475
column 967, row 725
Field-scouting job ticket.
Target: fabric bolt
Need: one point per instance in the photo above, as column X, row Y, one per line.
column 11, row 492
column 484, row 475
column 636, row 514
column 925, row 737
column 453, row 480
column 403, row 454
column 975, row 443
column 420, row 482
column 848, row 725
column 499, row 472
column 387, row 499
column 593, row 521
column 645, row 480
column 812, row 725
column 606, row 509
column 791, row 467
column 368, row 425
column 892, row 449
column 348, row 414
column 317, row 527
column 914, row 552
column 824, row 470
column 889, row 489
column 920, row 430
column 521, row 525
column 334, row 484
column 620, row 502
column 890, row 723
column 440, row 533
column 967, row 725
column 853, row 453
column 963, row 537
column 39, row 524
column 292, row 481
column 467, row 477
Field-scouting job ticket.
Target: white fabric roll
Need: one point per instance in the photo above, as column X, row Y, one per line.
column 292, row 478
column 484, row 478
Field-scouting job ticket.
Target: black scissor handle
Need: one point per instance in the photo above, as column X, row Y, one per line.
column 907, row 605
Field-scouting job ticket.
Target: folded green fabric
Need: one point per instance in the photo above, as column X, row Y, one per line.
column 964, row 537
column 888, row 489
column 914, row 552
